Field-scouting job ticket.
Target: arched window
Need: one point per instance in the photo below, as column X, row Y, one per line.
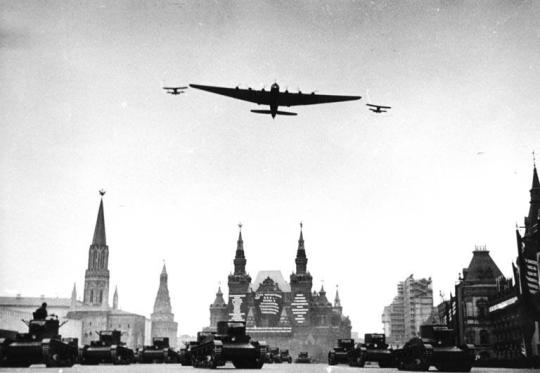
column 91, row 296
column 101, row 296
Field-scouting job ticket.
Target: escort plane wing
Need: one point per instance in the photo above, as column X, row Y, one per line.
column 274, row 98
column 175, row 90
column 378, row 108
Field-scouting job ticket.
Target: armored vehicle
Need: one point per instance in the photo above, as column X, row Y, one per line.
column 108, row 349
column 184, row 355
column 376, row 349
column 285, row 356
column 303, row 358
column 342, row 353
column 435, row 347
column 229, row 343
column 275, row 355
column 159, row 352
column 41, row 345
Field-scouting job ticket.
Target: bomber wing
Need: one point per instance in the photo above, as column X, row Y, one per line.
column 379, row 106
column 259, row 97
column 294, row 99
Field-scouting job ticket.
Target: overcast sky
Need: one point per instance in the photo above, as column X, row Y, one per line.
column 381, row 196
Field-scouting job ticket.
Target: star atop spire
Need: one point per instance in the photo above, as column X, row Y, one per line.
column 102, row 192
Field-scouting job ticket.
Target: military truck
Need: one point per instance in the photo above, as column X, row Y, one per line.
column 435, row 347
column 158, row 352
column 109, row 349
column 41, row 345
column 229, row 343
column 376, row 349
column 341, row 354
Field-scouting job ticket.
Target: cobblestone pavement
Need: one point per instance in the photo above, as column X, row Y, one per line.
column 273, row 368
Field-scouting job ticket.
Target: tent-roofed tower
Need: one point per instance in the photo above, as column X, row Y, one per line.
column 96, row 282
column 163, row 324
column 218, row 309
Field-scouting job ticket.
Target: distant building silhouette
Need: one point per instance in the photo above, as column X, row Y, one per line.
column 411, row 307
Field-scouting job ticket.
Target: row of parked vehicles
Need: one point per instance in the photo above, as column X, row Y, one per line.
column 44, row 345
column 434, row 347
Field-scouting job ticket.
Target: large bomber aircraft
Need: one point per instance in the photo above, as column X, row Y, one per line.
column 274, row 98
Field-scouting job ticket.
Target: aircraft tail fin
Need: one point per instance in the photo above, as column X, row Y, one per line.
column 269, row 112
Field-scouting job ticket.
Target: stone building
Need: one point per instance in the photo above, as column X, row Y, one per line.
column 15, row 309
column 514, row 309
column 477, row 284
column 94, row 312
column 411, row 307
column 284, row 314
column 163, row 324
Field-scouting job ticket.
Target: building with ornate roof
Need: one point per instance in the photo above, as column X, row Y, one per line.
column 514, row 309
column 163, row 324
column 476, row 285
column 94, row 311
column 285, row 314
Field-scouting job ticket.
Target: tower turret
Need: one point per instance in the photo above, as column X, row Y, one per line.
column 337, row 303
column 218, row 309
column 115, row 298
column 163, row 324
column 534, row 209
column 238, row 283
column 74, row 296
column 301, row 284
column 96, row 283
column 301, row 259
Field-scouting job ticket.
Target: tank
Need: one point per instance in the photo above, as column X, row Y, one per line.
column 229, row 343
column 435, row 347
column 342, row 353
column 159, row 352
column 376, row 349
column 303, row 358
column 285, row 356
column 184, row 355
column 109, row 349
column 41, row 345
column 275, row 355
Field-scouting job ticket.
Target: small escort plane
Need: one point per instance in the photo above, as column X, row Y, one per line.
column 175, row 90
column 378, row 108
column 274, row 98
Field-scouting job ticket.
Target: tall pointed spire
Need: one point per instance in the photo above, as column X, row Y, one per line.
column 240, row 259
column 99, row 232
column 96, row 282
column 337, row 301
column 162, row 303
column 535, row 201
column 74, row 296
column 163, row 324
column 301, row 259
column 115, row 298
